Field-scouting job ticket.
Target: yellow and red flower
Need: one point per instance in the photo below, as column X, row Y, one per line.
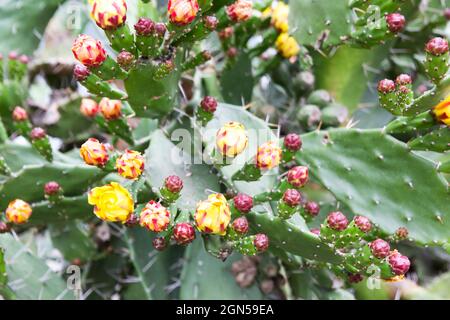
column 268, row 156
column 111, row 109
column 89, row 107
column 442, row 111
column 287, row 46
column 94, row 153
column 88, row 51
column 231, row 139
column 155, row 217
column 182, row 12
column 239, row 11
column 130, row 165
column 18, row 211
column 213, row 215
column 280, row 15
column 111, row 202
column 109, row 14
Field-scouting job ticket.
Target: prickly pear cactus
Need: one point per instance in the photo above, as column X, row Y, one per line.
column 224, row 149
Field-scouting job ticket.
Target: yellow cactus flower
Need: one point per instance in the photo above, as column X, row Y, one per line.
column 130, row 164
column 231, row 139
column 109, row 14
column 268, row 156
column 287, row 45
column 111, row 202
column 213, row 215
column 280, row 17
column 18, row 211
column 94, row 153
column 155, row 217
column 442, row 111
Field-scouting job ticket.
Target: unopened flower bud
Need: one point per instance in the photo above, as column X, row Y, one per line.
column 298, row 176
column 159, row 243
column 355, row 277
column 447, row 13
column 292, row 197
column 19, row 114
column 243, row 202
column 112, row 202
column 211, row 22
column 155, row 217
column 312, row 208
column 81, row 72
column 132, row 221
column 109, row 14
column 386, row 86
column 94, row 153
column 37, row 133
column 182, row 12
column 316, row 231
column 240, row 225
column 160, row 29
column 226, row 33
column 89, row 107
column 380, row 248
column 13, row 55
column 144, row 27
column 213, row 215
column 232, row 52
column 337, row 221
column 268, row 156
column 111, row 109
column 18, row 211
column 293, row 142
column 125, row 59
column 88, row 51
column 395, row 22
column 183, row 233
column 231, row 139
column 437, row 46
column 209, row 104
column 173, row 183
column 130, row 164
column 4, row 228
column 362, row 223
column 239, row 11
column 24, row 59
column 52, row 188
column 402, row 233
column 399, row 263
column 261, row 242
column 403, row 79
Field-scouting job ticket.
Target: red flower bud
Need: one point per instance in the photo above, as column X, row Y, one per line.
column 211, row 22
column 37, row 133
column 52, row 188
column 298, row 176
column 447, row 13
column 399, row 264
column 402, row 233
column 312, row 208
column 386, row 86
column 292, row 197
column 19, row 114
column 240, row 225
column 293, row 142
column 173, row 183
column 403, row 79
column 144, row 27
column 160, row 28
column 81, row 72
column 13, row 55
column 4, row 228
column 132, row 220
column 125, row 59
column 89, row 107
column 232, row 52
column 355, row 278
column 380, row 248
column 363, row 223
column 437, row 46
column 24, row 59
column 209, row 104
column 395, row 22
column 261, row 242
column 315, row 231
column 243, row 202
column 182, row 12
column 337, row 221
column 183, row 233
column 226, row 33
column 159, row 243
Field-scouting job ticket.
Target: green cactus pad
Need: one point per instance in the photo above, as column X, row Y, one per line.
column 437, row 140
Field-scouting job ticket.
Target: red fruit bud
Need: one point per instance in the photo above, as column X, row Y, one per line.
column 13, row 55
column 403, row 79
column 52, row 188
column 183, row 233
column 395, row 22
column 173, row 183
column 19, row 114
column 437, row 46
column 261, row 242
column 337, row 221
column 144, row 27
column 399, row 264
column 81, row 72
column 292, row 197
column 298, row 176
column 312, row 208
column 37, row 133
column 211, row 22
column 362, row 223
column 386, row 86
column 380, row 248
column 209, row 104
column 243, row 202
column 402, row 233
column 4, row 228
column 232, row 52
column 125, row 59
column 355, row 278
column 24, row 59
column 159, row 243
column 293, row 142
column 160, row 29
column 240, row 225
column 315, row 231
